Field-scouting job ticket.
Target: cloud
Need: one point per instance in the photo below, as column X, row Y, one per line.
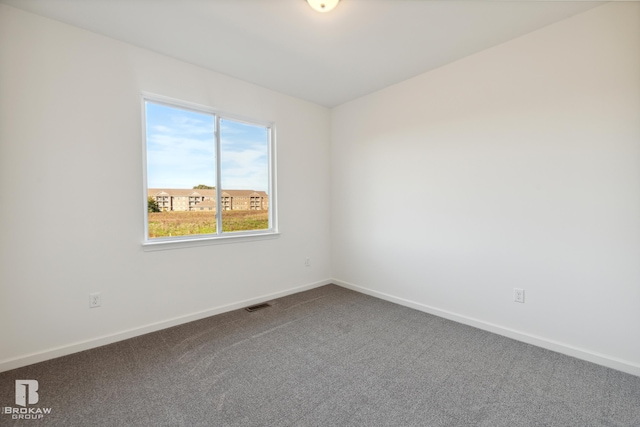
column 181, row 151
column 247, row 169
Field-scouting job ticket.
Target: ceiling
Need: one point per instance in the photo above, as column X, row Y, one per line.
column 326, row 58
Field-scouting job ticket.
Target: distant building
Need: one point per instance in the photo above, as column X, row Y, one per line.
column 173, row 199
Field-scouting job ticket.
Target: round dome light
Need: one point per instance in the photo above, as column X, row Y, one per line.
column 323, row 5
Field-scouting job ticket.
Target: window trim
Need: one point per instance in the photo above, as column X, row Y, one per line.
column 163, row 243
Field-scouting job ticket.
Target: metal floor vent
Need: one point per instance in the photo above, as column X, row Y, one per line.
column 258, row 307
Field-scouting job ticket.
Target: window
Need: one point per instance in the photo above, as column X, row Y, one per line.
column 201, row 168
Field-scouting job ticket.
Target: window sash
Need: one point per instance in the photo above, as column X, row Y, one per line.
column 220, row 234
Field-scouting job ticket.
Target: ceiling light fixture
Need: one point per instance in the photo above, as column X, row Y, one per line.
column 323, row 5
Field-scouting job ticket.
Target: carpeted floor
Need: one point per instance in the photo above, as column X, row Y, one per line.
column 325, row 357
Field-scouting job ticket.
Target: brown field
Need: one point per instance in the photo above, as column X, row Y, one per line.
column 170, row 224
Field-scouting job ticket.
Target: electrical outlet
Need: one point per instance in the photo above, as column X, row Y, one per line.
column 518, row 295
column 307, row 262
column 95, row 300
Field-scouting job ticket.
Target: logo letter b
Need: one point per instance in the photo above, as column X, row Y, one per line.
column 26, row 392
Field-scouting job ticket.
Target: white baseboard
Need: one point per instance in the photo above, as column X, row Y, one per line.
column 579, row 353
column 590, row 356
column 18, row 362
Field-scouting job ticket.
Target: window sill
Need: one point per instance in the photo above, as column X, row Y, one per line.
column 161, row 244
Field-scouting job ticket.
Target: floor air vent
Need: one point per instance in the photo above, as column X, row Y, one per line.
column 258, row 307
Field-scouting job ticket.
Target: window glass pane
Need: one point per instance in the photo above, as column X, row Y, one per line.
column 244, row 166
column 181, row 171
column 187, row 195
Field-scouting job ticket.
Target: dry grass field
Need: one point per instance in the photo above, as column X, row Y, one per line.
column 171, row 224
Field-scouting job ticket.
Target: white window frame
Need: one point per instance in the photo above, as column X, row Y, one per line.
column 163, row 243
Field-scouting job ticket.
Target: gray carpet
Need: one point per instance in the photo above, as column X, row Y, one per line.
column 326, row 357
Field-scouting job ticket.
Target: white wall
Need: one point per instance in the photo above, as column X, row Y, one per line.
column 70, row 137
column 515, row 167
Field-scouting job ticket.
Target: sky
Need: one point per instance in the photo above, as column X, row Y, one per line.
column 181, row 150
